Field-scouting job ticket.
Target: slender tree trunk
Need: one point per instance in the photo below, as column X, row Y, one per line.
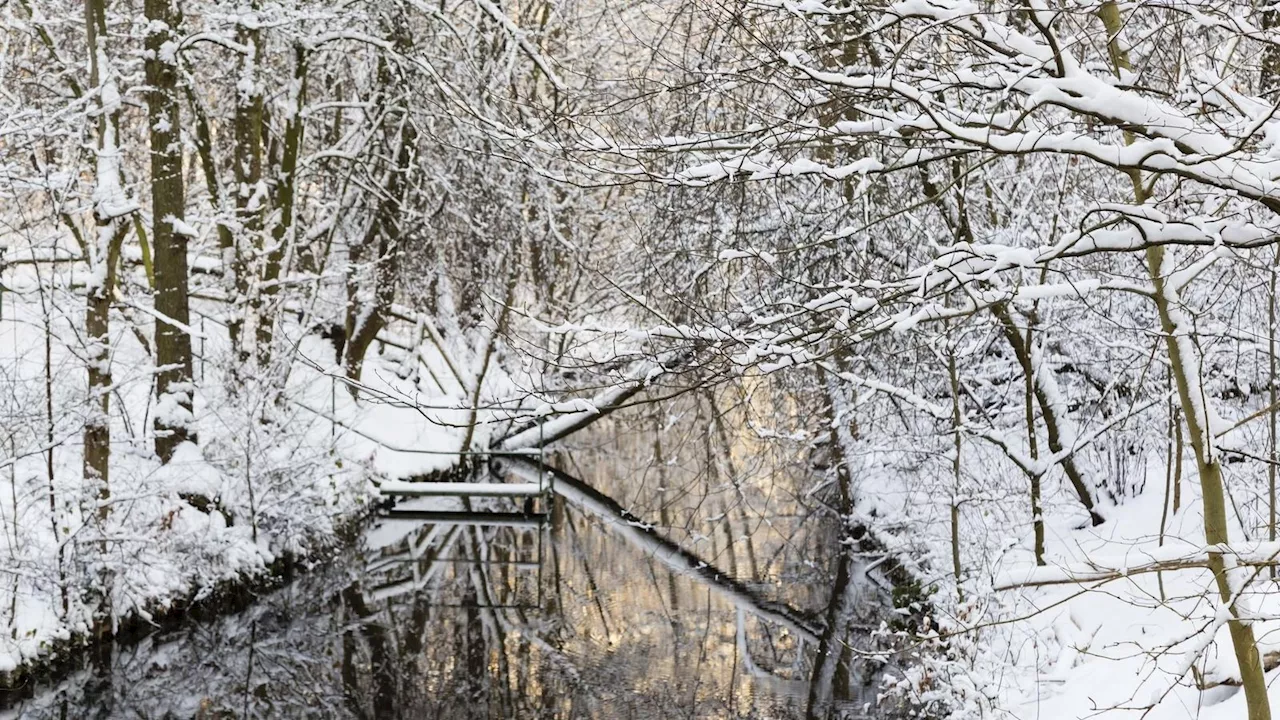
column 957, row 422
column 486, row 359
column 228, row 251
column 1185, row 367
column 250, row 192
column 713, row 483
column 174, row 386
column 1029, row 392
column 102, row 249
column 367, row 310
column 726, row 447
column 50, row 445
column 1037, row 511
column 1168, row 479
column 1271, row 399
column 282, row 231
column 1187, row 376
column 365, row 316
column 1268, row 80
column 1186, row 371
column 664, row 511
column 97, row 428
column 1049, row 411
column 1269, row 75
column 845, row 595
column 1179, row 449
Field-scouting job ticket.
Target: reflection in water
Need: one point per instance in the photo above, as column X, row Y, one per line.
column 570, row 606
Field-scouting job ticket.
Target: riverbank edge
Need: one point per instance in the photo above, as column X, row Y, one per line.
column 63, row 657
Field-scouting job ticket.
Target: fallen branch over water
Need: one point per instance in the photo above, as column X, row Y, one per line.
column 547, row 431
column 681, row 561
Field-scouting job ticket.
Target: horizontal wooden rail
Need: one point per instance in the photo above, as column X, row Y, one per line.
column 482, row 519
column 461, row 489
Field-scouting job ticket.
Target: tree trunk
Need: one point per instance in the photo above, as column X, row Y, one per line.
column 367, row 315
column 845, row 598
column 957, row 424
column 174, row 387
column 282, row 231
column 1185, row 367
column 1269, row 76
column 97, row 429
column 1268, row 79
column 103, row 252
column 227, row 249
column 1186, row 371
column 250, row 191
column 1053, row 424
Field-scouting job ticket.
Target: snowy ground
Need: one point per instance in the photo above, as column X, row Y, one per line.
column 1141, row 646
column 1133, row 646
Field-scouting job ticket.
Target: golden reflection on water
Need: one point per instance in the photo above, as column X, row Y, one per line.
column 643, row 640
column 589, row 616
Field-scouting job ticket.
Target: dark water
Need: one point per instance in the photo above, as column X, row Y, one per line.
column 588, row 603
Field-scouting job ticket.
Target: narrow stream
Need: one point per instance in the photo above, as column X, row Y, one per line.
column 584, row 603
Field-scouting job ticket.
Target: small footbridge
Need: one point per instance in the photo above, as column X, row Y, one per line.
column 488, row 527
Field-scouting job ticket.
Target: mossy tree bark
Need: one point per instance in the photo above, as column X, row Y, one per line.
column 1186, row 371
column 1184, row 365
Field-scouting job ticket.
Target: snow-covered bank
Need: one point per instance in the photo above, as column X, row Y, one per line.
column 1122, row 620
column 273, row 481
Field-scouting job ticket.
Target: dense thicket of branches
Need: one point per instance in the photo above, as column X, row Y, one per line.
column 193, row 194
column 1000, row 268
column 1029, row 245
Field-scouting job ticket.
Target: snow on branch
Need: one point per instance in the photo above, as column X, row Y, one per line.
column 1105, row 569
